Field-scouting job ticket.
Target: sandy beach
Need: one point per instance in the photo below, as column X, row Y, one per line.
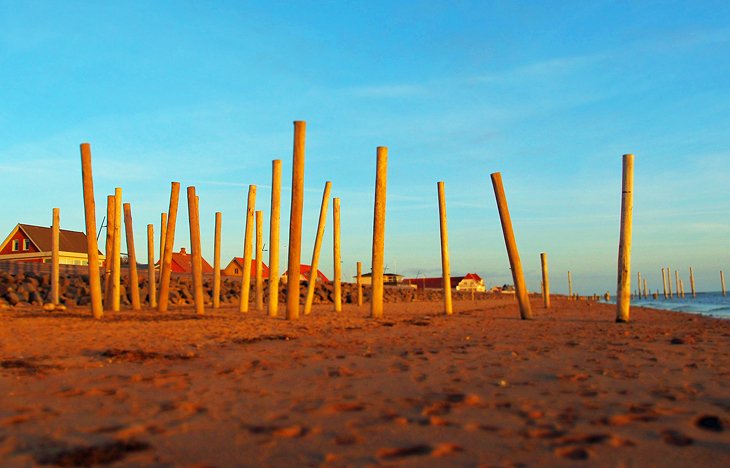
column 416, row 388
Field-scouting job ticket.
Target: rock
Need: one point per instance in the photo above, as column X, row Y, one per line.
column 49, row 307
column 12, row 298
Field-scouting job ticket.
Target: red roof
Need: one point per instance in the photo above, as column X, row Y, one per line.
column 182, row 262
column 437, row 283
column 264, row 267
column 306, row 271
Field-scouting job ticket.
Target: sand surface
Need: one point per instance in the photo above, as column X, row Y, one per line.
column 416, row 388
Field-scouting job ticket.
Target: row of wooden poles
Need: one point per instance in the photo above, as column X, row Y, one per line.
column 642, row 290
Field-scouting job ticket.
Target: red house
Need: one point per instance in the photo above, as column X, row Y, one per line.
column 305, row 272
column 28, row 243
column 182, row 262
column 235, row 268
column 469, row 282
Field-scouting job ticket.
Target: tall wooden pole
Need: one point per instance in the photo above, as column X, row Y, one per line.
column 722, row 282
column 692, row 282
column 90, row 218
column 545, row 281
column 669, row 282
column 676, row 283
column 664, row 283
column 445, row 264
column 312, row 284
column 163, row 235
column 295, row 222
column 359, row 284
column 518, row 276
column 217, row 261
column 378, row 253
column 117, row 251
column 247, row 247
column 274, row 223
column 195, row 247
column 570, row 286
column 166, row 263
column 336, row 257
column 108, row 263
column 638, row 284
column 55, row 247
column 646, row 293
column 151, row 276
column 259, row 260
column 623, row 292
column 132, row 256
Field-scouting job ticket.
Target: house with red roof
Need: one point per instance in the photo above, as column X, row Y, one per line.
column 469, row 282
column 28, row 243
column 182, row 262
column 305, row 272
column 235, row 268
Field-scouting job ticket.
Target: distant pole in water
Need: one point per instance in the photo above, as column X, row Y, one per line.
column 247, row 246
column 259, row 259
column 337, row 280
column 646, row 295
column 117, row 250
column 274, row 223
column 545, row 281
column 295, row 223
column 677, row 283
column 151, row 277
column 92, row 247
column 55, row 248
column 217, row 261
column 445, row 264
column 722, row 282
column 570, row 286
column 623, row 301
column 664, row 283
column 512, row 253
column 669, row 283
column 195, row 247
column 692, row 282
column 312, row 283
column 638, row 285
column 108, row 263
column 681, row 287
column 132, row 257
column 359, row 284
column 166, row 262
column 378, row 252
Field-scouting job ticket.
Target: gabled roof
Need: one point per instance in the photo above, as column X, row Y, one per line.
column 438, row 281
column 184, row 262
column 306, row 271
column 264, row 267
column 40, row 236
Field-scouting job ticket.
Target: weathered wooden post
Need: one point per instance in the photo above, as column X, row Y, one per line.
column 336, row 257
column 195, row 247
column 545, row 280
column 623, row 292
column 638, row 284
column 359, row 284
column 664, row 283
column 445, row 264
column 117, row 251
column 518, row 276
column 108, row 263
column 163, row 235
column 247, row 247
column 669, row 282
column 681, row 287
column 378, row 253
column 676, row 283
column 274, row 222
column 646, row 294
column 570, row 286
column 692, row 282
column 312, row 284
column 166, row 262
column 90, row 218
column 722, row 282
column 295, row 222
column 132, row 256
column 55, row 247
column 259, row 260
column 151, row 276
column 217, row 261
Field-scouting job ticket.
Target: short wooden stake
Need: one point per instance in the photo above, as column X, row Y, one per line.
column 378, row 252
column 217, row 261
column 692, row 282
column 295, row 222
column 117, row 251
column 623, row 292
column 55, row 247
column 247, row 247
column 274, row 223
column 509, row 239
column 570, row 286
column 132, row 256
column 336, row 257
column 545, row 280
column 445, row 263
column 312, row 283
column 359, row 284
column 151, row 276
column 166, row 263
column 90, row 218
column 722, row 282
column 259, row 260
column 195, row 247
column 108, row 263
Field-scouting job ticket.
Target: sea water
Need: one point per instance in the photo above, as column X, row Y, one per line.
column 706, row 303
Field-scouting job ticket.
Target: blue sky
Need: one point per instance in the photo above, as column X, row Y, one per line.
column 550, row 94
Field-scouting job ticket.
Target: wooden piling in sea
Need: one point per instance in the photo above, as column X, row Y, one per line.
column 445, row 263
column 117, row 251
column 247, row 247
column 623, row 290
column 676, row 284
column 664, row 283
column 132, row 258
column 692, row 282
column 274, row 223
column 295, row 222
column 90, row 219
column 646, row 295
column 378, row 251
column 545, row 280
column 55, row 250
column 312, row 283
column 722, row 282
column 336, row 257
column 217, row 261
column 669, row 283
column 259, row 295
column 151, row 277
column 359, row 284
column 195, row 250
column 518, row 276
column 166, row 262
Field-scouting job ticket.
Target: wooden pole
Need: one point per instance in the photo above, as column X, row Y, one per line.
column 151, row 276
column 646, row 294
column 247, row 246
column 163, row 235
column 195, row 247
column 132, row 256
column 623, row 292
column 336, row 257
column 274, row 222
column 664, row 283
column 638, row 284
column 722, row 282
column 259, row 260
column 676, row 283
column 166, row 263
column 570, row 286
column 445, row 264
column 108, row 263
column 359, row 284
column 692, row 282
column 117, row 251
column 90, row 218
column 55, row 247
column 217, row 261
column 378, row 253
column 312, row 284
column 511, row 244
column 545, row 280
column 669, row 282
column 681, row 287
column 295, row 222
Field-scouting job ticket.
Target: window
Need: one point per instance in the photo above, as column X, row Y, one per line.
column 26, row 244
column 235, row 271
column 16, row 245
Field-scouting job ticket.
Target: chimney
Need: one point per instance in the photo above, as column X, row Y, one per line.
column 182, row 251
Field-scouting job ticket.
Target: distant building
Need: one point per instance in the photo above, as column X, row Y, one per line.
column 305, row 272
column 389, row 279
column 235, row 268
column 469, row 282
column 28, row 243
column 182, row 262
